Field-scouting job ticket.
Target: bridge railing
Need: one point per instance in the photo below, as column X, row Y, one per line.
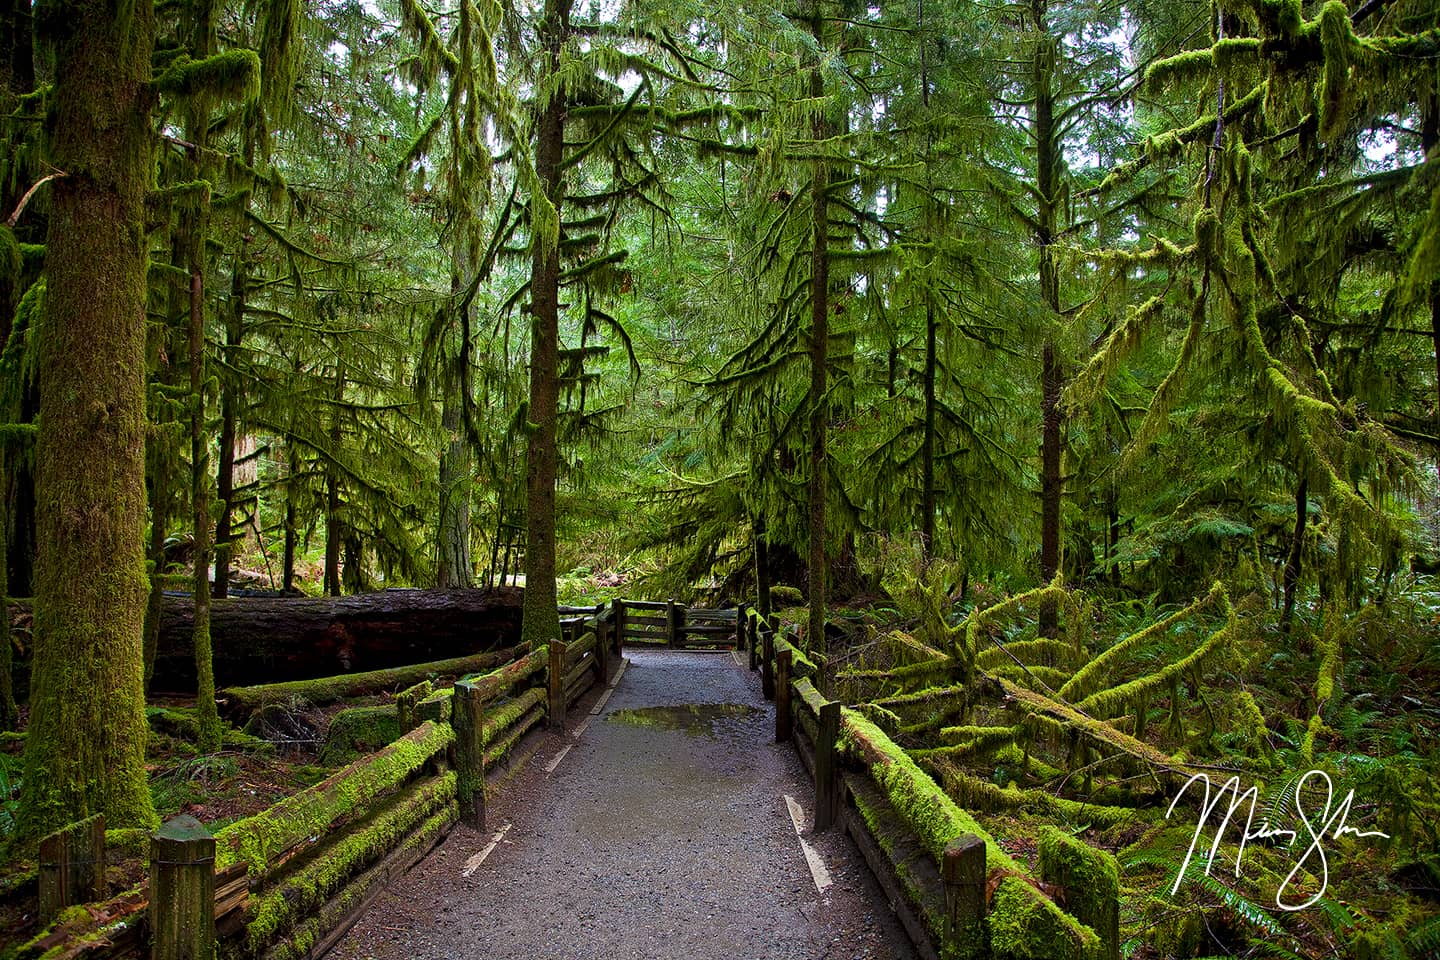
column 957, row 893
column 287, row 883
column 671, row 624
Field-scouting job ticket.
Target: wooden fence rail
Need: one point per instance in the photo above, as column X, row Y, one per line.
column 287, row 883
column 935, row 862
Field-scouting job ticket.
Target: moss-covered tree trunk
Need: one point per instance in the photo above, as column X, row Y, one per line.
column 1291, row 577
column 200, row 501
column 1047, row 161
column 9, row 713
column 225, row 468
column 819, row 356
column 453, row 569
column 927, row 440
column 85, row 752
column 541, row 620
column 334, row 523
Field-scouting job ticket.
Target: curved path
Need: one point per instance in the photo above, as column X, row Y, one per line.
column 663, row 831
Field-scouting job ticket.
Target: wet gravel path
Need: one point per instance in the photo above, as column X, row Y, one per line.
column 662, row 833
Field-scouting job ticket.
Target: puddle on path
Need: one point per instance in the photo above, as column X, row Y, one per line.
column 695, row 719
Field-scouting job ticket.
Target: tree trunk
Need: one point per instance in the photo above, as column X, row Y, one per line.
column 225, row 469
column 334, row 525
column 819, row 349
column 9, row 713
column 542, row 622
column 200, row 500
column 1048, row 157
column 453, row 569
column 762, row 569
column 927, row 440
column 1297, row 545
column 231, row 397
column 85, row 752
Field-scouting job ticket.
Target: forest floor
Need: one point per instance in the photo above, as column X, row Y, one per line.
column 659, row 828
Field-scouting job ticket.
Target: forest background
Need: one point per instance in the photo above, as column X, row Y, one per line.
column 907, row 307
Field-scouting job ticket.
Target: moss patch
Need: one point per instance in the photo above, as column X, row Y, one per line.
column 360, row 730
column 1025, row 925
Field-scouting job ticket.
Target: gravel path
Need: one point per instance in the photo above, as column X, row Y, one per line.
column 663, row 833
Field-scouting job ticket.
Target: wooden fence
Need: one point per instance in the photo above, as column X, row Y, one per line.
column 956, row 892
column 287, row 883
column 671, row 624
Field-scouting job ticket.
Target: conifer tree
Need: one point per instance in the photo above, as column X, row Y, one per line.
column 85, row 751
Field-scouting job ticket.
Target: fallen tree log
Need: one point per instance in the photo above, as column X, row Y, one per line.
column 264, row 639
column 242, row 701
column 267, row 639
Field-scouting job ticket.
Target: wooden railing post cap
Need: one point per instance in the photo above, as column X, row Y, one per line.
column 186, row 831
column 957, row 851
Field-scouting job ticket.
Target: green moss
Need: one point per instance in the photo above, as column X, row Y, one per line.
column 498, row 720
column 313, row 884
column 12, row 266
column 231, row 75
column 325, row 690
column 933, row 816
column 303, row 937
column 1025, row 925
column 360, row 730
column 782, row 596
column 406, row 701
column 257, row 840
column 1090, row 880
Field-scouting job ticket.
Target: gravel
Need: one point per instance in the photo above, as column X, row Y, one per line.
column 663, row 833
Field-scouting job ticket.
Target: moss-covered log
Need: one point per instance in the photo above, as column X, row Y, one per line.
column 262, row 841
column 290, row 900
column 240, row 701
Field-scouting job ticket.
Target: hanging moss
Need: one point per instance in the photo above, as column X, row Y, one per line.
column 1337, row 38
column 12, row 267
column 231, row 75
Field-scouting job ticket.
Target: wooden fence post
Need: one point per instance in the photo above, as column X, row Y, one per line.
column 72, row 866
column 182, row 891
column 468, row 717
column 557, row 684
column 602, row 649
column 767, row 665
column 675, row 624
column 962, row 869
column 827, row 793
column 618, row 606
column 782, row 696
column 752, row 634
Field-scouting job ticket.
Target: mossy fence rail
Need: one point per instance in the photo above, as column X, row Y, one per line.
column 287, row 883
column 957, row 893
